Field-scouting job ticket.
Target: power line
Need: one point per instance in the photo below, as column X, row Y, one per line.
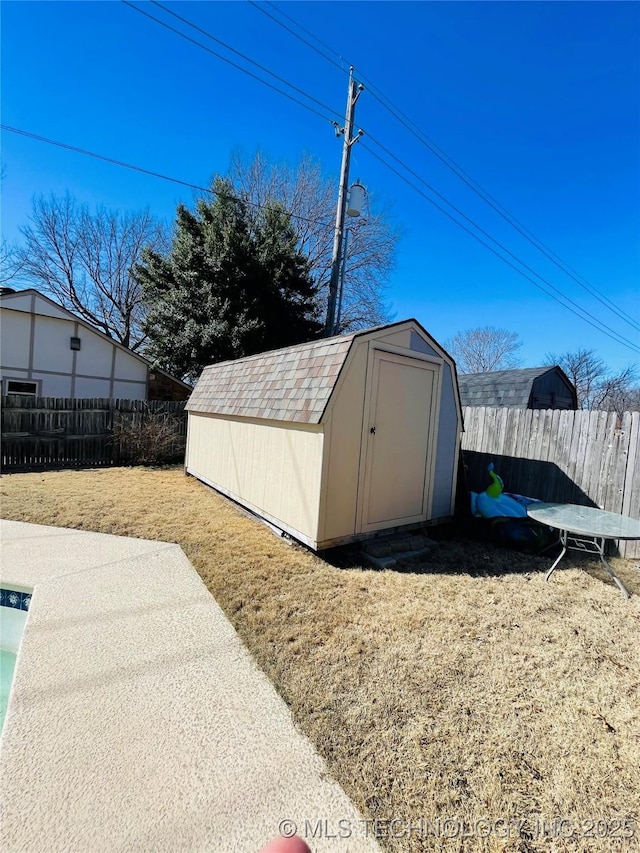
column 502, row 211
column 171, row 179
column 229, row 61
column 241, row 55
column 611, row 333
column 284, row 26
column 486, row 234
column 451, row 164
column 152, row 174
column 587, row 314
column 313, row 35
column 481, row 230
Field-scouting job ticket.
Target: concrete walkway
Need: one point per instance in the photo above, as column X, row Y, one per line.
column 138, row 721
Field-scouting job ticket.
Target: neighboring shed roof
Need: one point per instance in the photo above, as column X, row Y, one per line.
column 290, row 384
column 500, row 387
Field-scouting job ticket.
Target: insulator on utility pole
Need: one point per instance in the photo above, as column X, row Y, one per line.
column 353, row 94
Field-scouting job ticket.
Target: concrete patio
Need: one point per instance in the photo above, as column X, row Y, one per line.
column 138, row 720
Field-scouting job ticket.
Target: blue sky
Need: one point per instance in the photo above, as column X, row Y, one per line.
column 537, row 102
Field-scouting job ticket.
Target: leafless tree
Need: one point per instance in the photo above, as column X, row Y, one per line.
column 484, row 349
column 598, row 387
column 9, row 263
column 85, row 261
column 311, row 197
column 584, row 369
column 620, row 392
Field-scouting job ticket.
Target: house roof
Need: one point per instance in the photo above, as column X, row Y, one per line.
column 290, row 384
column 501, row 387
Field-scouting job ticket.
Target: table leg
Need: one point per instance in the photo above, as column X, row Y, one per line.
column 593, row 545
column 563, row 540
column 615, row 577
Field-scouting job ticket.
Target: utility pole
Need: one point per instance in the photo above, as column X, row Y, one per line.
column 354, row 93
column 342, row 269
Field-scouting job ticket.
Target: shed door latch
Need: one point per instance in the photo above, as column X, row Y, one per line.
column 372, row 430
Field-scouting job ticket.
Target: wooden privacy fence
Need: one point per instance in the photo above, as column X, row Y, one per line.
column 588, row 458
column 40, row 433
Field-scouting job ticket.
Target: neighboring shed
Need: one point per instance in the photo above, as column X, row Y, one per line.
column 163, row 386
column 333, row 440
column 529, row 388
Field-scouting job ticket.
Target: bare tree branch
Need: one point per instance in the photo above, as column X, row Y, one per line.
column 484, row 349
column 597, row 387
column 10, row 264
column 85, row 260
column 305, row 191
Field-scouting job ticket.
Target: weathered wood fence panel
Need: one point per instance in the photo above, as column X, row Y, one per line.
column 588, row 458
column 40, row 433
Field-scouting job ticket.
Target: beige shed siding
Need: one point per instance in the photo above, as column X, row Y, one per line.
column 274, row 468
column 343, row 436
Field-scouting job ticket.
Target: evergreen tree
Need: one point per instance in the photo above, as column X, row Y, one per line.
column 231, row 285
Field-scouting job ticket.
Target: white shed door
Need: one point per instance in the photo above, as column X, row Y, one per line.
column 398, row 441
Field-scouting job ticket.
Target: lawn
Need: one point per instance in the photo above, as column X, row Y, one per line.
column 463, row 687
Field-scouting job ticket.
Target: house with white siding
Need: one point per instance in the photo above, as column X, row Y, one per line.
column 47, row 351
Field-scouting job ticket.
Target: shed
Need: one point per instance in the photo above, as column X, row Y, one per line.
column 528, row 388
column 334, row 440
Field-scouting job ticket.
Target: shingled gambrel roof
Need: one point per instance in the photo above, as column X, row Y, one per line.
column 290, row 384
column 510, row 388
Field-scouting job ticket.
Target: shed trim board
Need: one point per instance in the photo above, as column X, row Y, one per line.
column 32, row 332
column 452, row 506
column 419, row 356
column 347, row 483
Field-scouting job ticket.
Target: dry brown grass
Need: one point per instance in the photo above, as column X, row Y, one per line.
column 464, row 687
